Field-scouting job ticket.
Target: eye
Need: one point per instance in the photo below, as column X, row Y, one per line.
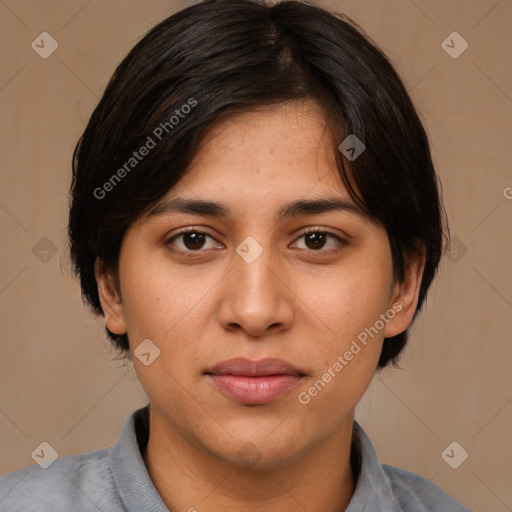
column 192, row 240
column 316, row 239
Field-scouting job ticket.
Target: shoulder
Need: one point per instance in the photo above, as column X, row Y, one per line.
column 416, row 493
column 79, row 482
column 387, row 488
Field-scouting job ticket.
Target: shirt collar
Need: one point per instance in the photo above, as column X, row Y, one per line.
column 132, row 479
column 373, row 490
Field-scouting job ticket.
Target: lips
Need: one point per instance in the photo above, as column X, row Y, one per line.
column 254, row 382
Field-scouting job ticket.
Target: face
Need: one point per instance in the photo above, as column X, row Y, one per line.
column 252, row 284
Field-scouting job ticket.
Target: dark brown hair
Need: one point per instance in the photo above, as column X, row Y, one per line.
column 221, row 57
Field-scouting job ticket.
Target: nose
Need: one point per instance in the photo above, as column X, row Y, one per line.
column 256, row 297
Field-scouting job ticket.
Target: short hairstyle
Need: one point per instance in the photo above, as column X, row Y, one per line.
column 218, row 58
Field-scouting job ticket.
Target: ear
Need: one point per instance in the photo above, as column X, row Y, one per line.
column 110, row 299
column 405, row 294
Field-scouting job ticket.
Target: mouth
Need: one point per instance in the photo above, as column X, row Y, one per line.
column 254, row 382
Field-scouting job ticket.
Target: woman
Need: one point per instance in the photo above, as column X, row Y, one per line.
column 255, row 212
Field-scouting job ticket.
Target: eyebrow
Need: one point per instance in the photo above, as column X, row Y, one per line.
column 289, row 210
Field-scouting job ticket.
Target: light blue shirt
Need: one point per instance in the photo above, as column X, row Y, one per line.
column 115, row 479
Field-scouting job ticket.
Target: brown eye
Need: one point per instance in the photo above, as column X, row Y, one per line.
column 315, row 240
column 319, row 241
column 192, row 240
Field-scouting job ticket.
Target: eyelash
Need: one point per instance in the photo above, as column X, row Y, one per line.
column 303, row 233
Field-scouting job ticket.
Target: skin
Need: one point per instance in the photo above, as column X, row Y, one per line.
column 295, row 302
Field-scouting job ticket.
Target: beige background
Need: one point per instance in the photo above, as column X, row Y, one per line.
column 60, row 382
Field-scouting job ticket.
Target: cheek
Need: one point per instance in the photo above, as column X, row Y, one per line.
column 156, row 299
column 345, row 302
column 345, row 362
column 330, row 398
column 168, row 308
column 171, row 308
column 348, row 304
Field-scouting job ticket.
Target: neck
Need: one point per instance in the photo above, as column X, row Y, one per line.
column 190, row 478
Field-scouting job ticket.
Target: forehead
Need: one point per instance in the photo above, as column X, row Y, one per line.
column 283, row 149
column 278, row 160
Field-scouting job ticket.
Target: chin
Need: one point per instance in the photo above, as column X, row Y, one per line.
column 260, row 451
